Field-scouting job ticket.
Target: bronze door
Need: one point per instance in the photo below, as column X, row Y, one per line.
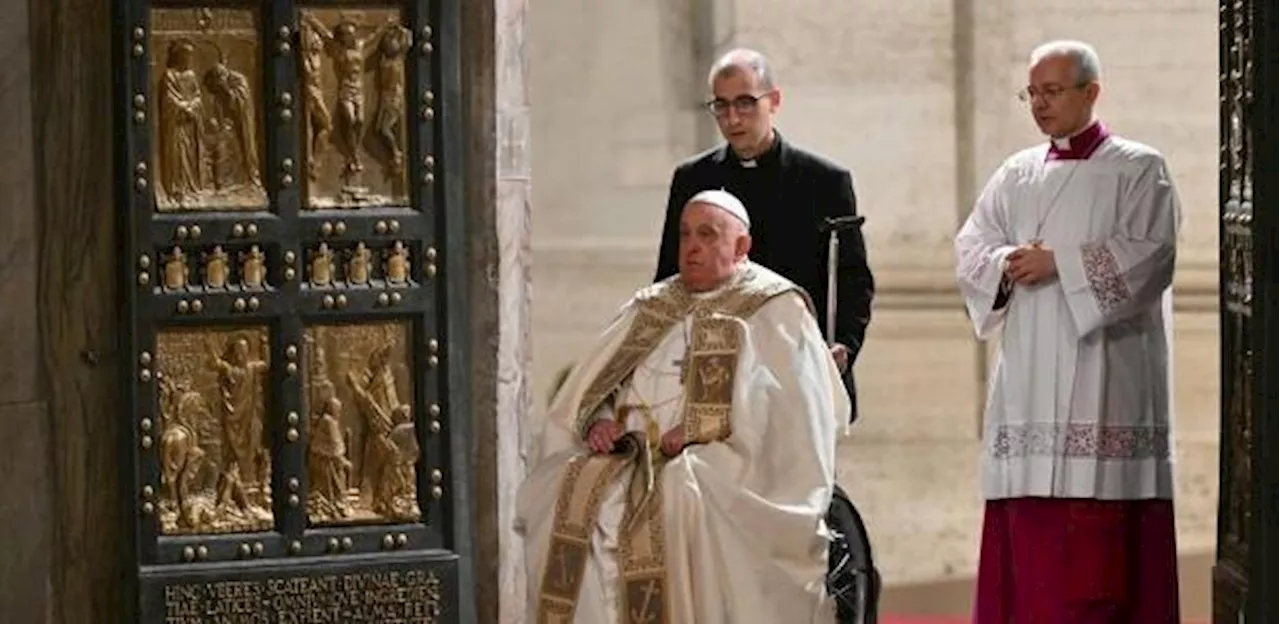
column 288, row 193
column 1235, row 192
column 1245, row 572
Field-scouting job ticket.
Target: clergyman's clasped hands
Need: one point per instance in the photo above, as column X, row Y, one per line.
column 602, row 436
column 1031, row 264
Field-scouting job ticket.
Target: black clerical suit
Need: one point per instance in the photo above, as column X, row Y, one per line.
column 788, row 193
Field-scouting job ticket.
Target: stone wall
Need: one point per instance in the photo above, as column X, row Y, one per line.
column 888, row 89
column 616, row 87
column 917, row 97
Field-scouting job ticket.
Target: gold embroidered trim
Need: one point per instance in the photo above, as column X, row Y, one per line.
column 713, row 358
column 586, row 480
column 661, row 306
column 709, row 383
column 642, row 558
column 647, row 329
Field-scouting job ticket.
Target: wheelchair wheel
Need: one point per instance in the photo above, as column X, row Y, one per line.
column 852, row 578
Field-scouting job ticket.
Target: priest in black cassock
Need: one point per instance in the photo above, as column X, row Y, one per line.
column 788, row 192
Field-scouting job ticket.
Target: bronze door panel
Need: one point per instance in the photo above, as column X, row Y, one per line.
column 297, row 412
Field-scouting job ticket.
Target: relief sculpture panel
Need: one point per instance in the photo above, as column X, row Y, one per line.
column 215, row 463
column 353, row 86
column 363, row 445
column 205, row 106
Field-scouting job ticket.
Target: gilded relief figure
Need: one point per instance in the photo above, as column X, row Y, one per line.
column 213, row 451
column 183, row 413
column 319, row 386
column 317, row 112
column 176, row 271
column 348, row 54
column 321, row 273
column 182, row 152
column 388, row 435
column 246, row 469
column 339, row 48
column 363, row 444
column 358, row 265
column 389, row 123
column 397, row 264
column 253, row 268
column 216, row 270
column 328, row 468
column 231, row 122
column 206, row 140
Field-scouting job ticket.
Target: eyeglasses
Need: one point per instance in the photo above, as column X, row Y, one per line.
column 743, row 104
column 1049, row 92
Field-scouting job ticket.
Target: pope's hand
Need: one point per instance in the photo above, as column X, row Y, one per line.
column 602, row 435
column 673, row 442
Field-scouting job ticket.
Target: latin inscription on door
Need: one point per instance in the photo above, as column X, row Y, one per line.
column 385, row 594
column 387, row 598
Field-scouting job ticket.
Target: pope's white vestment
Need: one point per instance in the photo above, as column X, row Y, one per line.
column 731, row 530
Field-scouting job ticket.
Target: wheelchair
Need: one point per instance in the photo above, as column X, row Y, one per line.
column 852, row 579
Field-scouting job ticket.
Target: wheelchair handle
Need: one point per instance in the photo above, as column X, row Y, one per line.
column 841, row 224
column 833, row 226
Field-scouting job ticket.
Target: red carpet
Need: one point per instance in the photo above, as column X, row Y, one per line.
column 946, row 619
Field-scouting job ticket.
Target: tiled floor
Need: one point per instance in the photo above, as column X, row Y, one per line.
column 947, row 619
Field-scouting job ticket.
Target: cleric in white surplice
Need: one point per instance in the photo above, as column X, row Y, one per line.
column 1068, row 259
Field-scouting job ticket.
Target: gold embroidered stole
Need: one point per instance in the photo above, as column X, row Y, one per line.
column 586, row 481
column 709, row 383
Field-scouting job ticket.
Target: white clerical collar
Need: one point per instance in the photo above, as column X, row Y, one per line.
column 1064, row 143
column 748, row 164
column 707, row 294
column 1078, row 146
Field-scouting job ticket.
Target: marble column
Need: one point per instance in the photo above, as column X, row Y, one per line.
column 25, row 468
column 514, row 201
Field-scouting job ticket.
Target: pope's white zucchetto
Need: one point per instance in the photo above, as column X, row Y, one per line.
column 725, row 201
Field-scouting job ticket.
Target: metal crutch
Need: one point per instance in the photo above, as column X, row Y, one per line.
column 833, row 226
